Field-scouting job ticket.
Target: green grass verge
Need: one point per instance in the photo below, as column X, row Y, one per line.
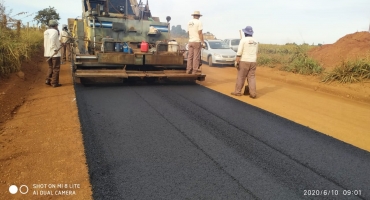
column 350, row 71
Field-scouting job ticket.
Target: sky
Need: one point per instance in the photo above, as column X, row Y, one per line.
column 273, row 21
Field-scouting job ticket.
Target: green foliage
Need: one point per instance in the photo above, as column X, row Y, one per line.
column 269, row 60
column 45, row 15
column 2, row 9
column 301, row 63
column 4, row 15
column 177, row 31
column 271, row 49
column 273, row 55
column 291, row 57
column 350, row 71
column 16, row 46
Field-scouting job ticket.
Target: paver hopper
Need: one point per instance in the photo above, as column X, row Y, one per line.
column 120, row 38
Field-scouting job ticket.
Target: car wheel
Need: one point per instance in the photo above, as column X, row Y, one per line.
column 210, row 63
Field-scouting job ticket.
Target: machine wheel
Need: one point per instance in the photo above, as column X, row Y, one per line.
column 76, row 80
column 210, row 61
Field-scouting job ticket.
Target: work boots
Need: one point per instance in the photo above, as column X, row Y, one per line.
column 246, row 90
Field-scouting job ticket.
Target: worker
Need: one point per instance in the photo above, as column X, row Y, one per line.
column 246, row 62
column 51, row 49
column 196, row 42
column 64, row 40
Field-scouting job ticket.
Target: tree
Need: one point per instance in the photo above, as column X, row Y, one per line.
column 177, row 31
column 45, row 15
column 4, row 16
column 2, row 9
column 3, row 19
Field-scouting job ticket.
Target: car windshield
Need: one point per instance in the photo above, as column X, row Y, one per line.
column 218, row 45
column 235, row 42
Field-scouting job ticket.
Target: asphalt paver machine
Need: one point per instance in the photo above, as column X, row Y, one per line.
column 121, row 39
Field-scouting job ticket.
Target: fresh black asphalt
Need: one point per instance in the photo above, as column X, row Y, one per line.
column 188, row 142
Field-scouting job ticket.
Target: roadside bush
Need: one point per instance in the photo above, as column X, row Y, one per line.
column 17, row 47
column 270, row 49
column 291, row 57
column 350, row 71
column 271, row 55
column 269, row 60
column 301, row 63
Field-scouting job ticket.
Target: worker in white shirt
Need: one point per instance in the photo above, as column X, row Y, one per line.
column 51, row 49
column 246, row 60
column 64, row 39
column 195, row 31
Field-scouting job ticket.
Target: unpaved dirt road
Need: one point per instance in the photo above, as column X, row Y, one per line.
column 32, row 154
column 41, row 147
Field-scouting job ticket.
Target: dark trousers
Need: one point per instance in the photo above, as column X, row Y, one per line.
column 53, row 71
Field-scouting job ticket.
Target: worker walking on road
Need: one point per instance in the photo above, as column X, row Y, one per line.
column 196, row 42
column 64, row 40
column 51, row 49
column 246, row 62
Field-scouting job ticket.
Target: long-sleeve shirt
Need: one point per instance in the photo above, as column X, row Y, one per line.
column 51, row 43
column 248, row 48
column 64, row 36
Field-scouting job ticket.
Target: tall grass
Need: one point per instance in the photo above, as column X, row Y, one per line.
column 350, row 71
column 290, row 57
column 301, row 63
column 271, row 55
column 17, row 47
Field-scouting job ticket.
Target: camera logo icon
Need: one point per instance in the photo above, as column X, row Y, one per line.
column 23, row 189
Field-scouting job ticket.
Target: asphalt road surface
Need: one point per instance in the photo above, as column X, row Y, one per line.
column 189, row 142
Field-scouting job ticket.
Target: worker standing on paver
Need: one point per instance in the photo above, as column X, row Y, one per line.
column 246, row 62
column 196, row 42
column 51, row 49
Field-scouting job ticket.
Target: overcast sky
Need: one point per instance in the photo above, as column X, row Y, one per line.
column 273, row 21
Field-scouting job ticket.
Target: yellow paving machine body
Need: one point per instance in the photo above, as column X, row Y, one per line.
column 121, row 39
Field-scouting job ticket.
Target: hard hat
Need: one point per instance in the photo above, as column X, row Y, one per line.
column 64, row 26
column 53, row 22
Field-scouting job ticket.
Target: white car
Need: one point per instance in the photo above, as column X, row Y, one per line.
column 233, row 43
column 217, row 52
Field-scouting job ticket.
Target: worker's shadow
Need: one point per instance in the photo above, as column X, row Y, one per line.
column 266, row 90
column 67, row 84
